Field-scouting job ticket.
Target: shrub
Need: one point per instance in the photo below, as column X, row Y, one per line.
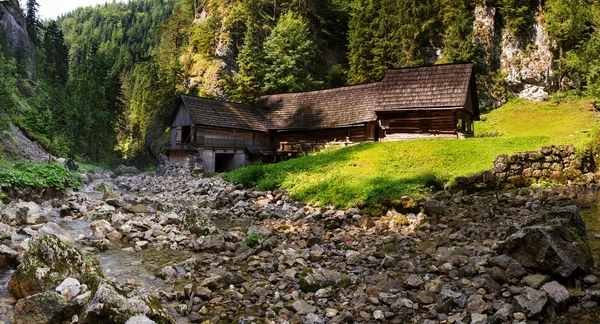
column 253, row 240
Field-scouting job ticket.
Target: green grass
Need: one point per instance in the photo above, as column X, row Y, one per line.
column 363, row 175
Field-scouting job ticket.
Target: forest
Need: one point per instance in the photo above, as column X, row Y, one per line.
column 105, row 78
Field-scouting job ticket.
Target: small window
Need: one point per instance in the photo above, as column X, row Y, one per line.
column 186, row 135
column 178, row 136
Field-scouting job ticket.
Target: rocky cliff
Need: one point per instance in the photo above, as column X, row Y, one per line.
column 524, row 62
column 12, row 23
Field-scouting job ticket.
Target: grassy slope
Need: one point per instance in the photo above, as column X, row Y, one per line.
column 369, row 172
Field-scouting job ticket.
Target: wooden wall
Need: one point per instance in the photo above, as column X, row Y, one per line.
column 182, row 117
column 352, row 134
column 214, row 137
column 442, row 121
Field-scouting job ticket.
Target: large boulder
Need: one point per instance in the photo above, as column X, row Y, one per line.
column 554, row 241
column 46, row 308
column 48, row 261
column 322, row 278
column 123, row 170
column 114, row 303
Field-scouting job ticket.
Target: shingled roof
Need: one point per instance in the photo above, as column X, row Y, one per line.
column 431, row 87
column 322, row 109
column 436, row 86
column 226, row 114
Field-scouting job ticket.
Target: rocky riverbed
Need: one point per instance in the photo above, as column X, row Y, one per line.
column 187, row 249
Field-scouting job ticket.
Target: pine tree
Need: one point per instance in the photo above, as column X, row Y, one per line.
column 289, row 51
column 32, row 20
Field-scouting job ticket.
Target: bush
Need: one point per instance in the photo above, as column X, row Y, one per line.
column 253, row 240
column 38, row 175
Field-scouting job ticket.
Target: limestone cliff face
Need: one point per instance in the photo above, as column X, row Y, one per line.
column 526, row 63
column 12, row 23
column 206, row 71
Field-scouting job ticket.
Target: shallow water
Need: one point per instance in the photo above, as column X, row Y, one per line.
column 589, row 209
column 120, row 264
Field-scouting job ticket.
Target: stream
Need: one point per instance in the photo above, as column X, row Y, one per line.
column 118, row 263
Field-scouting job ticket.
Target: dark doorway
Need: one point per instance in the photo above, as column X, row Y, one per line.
column 224, row 162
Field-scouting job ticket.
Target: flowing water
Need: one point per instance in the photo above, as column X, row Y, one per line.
column 118, row 262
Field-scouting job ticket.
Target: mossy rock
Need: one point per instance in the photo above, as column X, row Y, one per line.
column 47, row 263
column 321, row 278
column 114, row 303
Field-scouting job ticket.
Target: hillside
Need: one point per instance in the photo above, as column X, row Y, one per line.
column 365, row 174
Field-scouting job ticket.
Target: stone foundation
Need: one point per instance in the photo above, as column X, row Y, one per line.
column 559, row 164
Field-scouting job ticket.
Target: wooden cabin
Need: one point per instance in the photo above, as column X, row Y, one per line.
column 219, row 133
column 421, row 102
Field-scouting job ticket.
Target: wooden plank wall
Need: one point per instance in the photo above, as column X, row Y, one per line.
column 354, row 134
column 422, row 122
column 182, row 118
column 208, row 136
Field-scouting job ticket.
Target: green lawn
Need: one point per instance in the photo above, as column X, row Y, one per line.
column 367, row 173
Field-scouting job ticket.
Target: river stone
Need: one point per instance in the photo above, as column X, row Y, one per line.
column 114, row 236
column 556, row 292
column 479, row 319
column 140, row 319
column 555, row 243
column 590, row 279
column 69, row 288
column 6, row 234
column 434, row 208
column 532, row 300
column 114, row 303
column 414, row 281
column 7, row 256
column 353, row 257
column 536, row 280
column 54, row 229
column 48, row 262
column 45, row 308
column 322, row 278
column 167, row 272
column 302, row 307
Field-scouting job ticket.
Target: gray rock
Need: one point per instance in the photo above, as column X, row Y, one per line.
column 590, row 280
column 353, row 257
column 7, row 234
column 45, row 308
column 140, row 319
column 322, row 278
column 69, row 288
column 532, row 300
column 536, row 280
column 556, row 292
column 167, row 272
column 48, row 262
column 54, row 229
column 476, row 305
column 556, row 242
column 117, row 304
column 479, row 319
column 434, row 208
column 302, row 307
column 414, row 281
column 7, row 256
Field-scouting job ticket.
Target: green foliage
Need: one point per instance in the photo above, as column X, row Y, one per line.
column 253, row 240
column 8, row 92
column 289, row 52
column 37, row 175
column 518, row 15
column 365, row 174
column 568, row 22
column 392, row 34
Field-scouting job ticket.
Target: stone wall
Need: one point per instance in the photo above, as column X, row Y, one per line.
column 559, row 164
